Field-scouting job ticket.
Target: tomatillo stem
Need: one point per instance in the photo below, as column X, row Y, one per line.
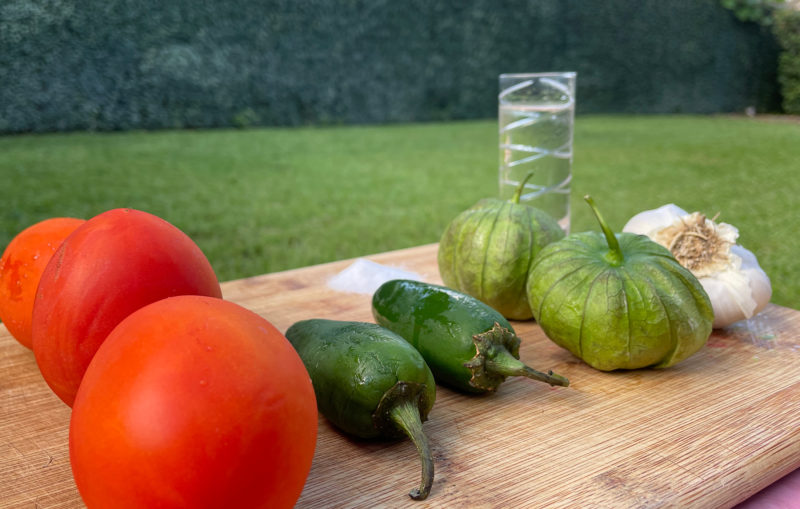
column 614, row 255
column 503, row 363
column 406, row 416
column 520, row 187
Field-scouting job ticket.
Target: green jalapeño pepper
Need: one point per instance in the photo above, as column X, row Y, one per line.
column 468, row 345
column 369, row 382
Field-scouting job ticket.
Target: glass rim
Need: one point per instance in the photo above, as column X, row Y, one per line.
column 565, row 74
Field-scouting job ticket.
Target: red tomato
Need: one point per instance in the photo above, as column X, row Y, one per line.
column 193, row 402
column 112, row 265
column 21, row 267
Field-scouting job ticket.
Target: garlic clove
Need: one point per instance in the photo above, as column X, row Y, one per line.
column 649, row 221
column 745, row 255
column 760, row 285
column 730, row 295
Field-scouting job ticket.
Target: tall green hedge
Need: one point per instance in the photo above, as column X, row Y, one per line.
column 758, row 11
column 129, row 64
column 787, row 30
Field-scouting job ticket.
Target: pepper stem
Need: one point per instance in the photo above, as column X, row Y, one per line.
column 614, row 255
column 503, row 363
column 497, row 357
column 520, row 187
column 406, row 416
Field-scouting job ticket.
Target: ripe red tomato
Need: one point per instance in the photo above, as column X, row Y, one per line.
column 112, row 265
column 193, row 402
column 21, row 267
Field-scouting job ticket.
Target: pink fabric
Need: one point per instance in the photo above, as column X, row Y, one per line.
column 783, row 494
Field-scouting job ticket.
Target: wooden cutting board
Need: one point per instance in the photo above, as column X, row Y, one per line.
column 708, row 432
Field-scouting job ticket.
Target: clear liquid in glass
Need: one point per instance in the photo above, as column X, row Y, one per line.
column 538, row 138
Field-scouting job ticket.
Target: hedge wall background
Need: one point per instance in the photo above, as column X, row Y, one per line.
column 125, row 64
column 787, row 31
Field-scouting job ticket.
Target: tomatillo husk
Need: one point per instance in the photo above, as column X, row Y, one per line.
column 487, row 251
column 618, row 301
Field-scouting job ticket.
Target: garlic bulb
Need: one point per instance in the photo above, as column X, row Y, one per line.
column 729, row 273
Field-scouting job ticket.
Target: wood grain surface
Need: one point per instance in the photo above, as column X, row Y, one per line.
column 708, row 432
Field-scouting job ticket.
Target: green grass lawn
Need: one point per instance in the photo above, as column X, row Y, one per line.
column 264, row 200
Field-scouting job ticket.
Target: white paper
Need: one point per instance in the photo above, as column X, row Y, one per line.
column 365, row 276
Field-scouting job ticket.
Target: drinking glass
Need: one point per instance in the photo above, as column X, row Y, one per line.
column 536, row 113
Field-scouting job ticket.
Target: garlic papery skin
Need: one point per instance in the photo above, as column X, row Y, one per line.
column 651, row 221
column 736, row 285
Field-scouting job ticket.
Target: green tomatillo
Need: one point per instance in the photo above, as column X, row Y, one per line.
column 618, row 301
column 487, row 251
